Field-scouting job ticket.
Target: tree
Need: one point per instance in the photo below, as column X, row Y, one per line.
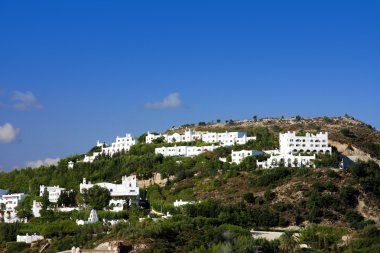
column 97, row 197
column 67, row 198
column 249, row 163
column 141, row 138
column 159, row 140
column 254, row 117
column 45, row 200
column 24, row 208
column 269, row 195
column 346, row 132
column 218, row 121
column 288, row 241
column 249, row 197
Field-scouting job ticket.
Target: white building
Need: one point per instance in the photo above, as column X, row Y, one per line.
column 29, row 238
column 36, row 208
column 10, row 201
column 184, row 150
column 90, row 159
column 287, row 160
column 127, row 188
column 238, row 156
column 150, row 137
column 70, row 165
column 189, row 135
column 180, row 202
column 291, row 143
column 119, row 145
column 54, row 192
column 225, row 139
column 91, row 219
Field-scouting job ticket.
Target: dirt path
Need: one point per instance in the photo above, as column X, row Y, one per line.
column 367, row 212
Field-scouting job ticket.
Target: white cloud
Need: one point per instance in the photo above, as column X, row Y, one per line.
column 25, row 101
column 39, row 163
column 8, row 133
column 171, row 101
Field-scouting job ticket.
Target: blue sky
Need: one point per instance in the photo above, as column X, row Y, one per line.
column 72, row 72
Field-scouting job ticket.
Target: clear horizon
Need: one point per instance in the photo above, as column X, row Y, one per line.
column 75, row 72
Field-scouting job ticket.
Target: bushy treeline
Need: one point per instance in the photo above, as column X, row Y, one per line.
column 191, row 234
column 63, row 230
column 368, row 175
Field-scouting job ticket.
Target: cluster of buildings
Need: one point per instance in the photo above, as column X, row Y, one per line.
column 128, row 189
column 125, row 143
column 119, row 145
column 225, row 139
column 289, row 154
column 295, row 151
column 293, row 147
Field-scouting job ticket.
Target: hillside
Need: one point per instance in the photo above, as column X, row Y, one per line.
column 230, row 199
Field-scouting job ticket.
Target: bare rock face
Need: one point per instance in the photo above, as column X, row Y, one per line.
column 352, row 152
column 368, row 211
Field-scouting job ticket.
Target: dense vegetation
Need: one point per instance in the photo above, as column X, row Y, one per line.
column 233, row 200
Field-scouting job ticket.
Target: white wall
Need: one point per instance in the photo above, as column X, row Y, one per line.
column 12, row 200
column 29, row 238
column 288, row 160
column 36, row 208
column 290, row 143
column 238, row 156
column 184, row 150
column 54, row 192
column 128, row 187
column 226, row 138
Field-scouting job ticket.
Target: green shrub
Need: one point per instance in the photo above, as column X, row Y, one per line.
column 249, row 197
column 16, row 247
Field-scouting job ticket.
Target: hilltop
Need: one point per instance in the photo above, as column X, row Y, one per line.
column 349, row 135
